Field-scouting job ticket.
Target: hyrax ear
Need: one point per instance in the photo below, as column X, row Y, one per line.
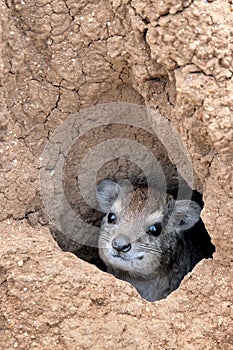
column 185, row 214
column 107, row 192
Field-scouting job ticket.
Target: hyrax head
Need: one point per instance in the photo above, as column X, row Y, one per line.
column 142, row 228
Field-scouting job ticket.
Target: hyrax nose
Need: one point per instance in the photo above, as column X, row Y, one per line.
column 121, row 243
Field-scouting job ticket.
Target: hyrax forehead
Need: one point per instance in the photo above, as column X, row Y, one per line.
column 140, row 204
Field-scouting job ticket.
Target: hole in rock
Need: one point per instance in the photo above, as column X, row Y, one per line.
column 156, row 259
column 195, row 240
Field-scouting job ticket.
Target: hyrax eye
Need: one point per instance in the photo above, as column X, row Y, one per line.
column 112, row 218
column 155, row 229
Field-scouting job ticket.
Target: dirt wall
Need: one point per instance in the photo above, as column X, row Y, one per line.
column 59, row 57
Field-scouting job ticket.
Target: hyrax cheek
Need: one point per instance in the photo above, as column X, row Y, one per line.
column 103, row 243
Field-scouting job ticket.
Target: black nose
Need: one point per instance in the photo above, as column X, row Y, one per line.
column 121, row 243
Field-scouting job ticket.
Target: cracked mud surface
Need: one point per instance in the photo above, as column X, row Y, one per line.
column 58, row 57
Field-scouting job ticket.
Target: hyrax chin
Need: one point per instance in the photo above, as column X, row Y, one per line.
column 144, row 239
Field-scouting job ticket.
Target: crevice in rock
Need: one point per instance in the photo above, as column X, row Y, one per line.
column 197, row 237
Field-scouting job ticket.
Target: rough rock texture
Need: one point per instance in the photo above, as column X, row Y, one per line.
column 58, row 57
column 52, row 300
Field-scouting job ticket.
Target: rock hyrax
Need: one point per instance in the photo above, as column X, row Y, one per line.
column 146, row 242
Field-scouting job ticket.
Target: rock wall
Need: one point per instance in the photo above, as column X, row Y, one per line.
column 58, row 57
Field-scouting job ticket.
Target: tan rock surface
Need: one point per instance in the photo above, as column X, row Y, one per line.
column 52, row 300
column 58, row 57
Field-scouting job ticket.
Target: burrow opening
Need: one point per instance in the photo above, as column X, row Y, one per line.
column 117, row 169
